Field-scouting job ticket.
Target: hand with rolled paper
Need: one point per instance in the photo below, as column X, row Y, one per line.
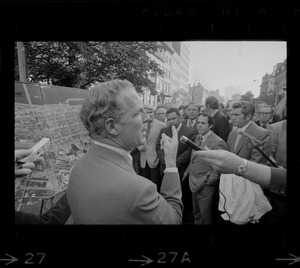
column 22, row 169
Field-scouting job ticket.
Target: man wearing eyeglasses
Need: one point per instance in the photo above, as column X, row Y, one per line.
column 265, row 114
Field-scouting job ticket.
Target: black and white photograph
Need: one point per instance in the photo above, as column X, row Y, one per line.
column 167, row 125
column 227, row 97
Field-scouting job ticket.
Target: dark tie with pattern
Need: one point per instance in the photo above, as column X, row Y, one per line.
column 191, row 123
column 200, row 139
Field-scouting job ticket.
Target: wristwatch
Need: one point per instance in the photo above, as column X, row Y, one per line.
column 242, row 168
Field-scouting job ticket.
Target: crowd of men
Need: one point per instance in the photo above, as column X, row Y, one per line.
column 133, row 141
column 213, row 126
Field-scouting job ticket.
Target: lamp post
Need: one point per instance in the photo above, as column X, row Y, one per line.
column 22, row 69
column 21, row 61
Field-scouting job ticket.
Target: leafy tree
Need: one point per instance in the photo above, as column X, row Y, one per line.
column 80, row 64
column 268, row 98
column 180, row 97
column 248, row 96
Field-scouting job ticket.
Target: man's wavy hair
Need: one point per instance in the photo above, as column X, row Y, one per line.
column 103, row 102
column 210, row 120
column 247, row 107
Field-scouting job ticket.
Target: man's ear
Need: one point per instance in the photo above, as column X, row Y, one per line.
column 111, row 127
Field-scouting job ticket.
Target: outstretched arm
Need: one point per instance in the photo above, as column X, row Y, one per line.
column 226, row 162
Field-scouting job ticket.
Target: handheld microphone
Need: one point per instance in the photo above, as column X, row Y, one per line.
column 255, row 141
column 252, row 139
column 188, row 142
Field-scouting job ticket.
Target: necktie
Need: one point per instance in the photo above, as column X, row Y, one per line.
column 238, row 137
column 200, row 140
column 191, row 123
column 148, row 130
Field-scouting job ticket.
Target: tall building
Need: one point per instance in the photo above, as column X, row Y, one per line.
column 264, row 84
column 174, row 61
column 267, row 84
column 272, row 84
column 185, row 60
column 176, row 67
column 279, row 73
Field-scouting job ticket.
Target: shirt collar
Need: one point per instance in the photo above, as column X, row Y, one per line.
column 179, row 126
column 244, row 127
column 116, row 149
column 204, row 137
column 262, row 124
column 214, row 112
column 192, row 120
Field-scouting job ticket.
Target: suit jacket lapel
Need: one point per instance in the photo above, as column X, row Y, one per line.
column 208, row 142
column 243, row 139
column 231, row 142
column 240, row 144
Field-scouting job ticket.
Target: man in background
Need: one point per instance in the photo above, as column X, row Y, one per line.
column 193, row 110
column 265, row 114
column 149, row 160
column 182, row 158
column 203, row 180
column 103, row 186
column 160, row 113
column 221, row 125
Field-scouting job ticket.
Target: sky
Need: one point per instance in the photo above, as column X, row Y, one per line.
column 239, row 65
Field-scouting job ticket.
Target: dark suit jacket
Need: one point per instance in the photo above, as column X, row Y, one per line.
column 183, row 151
column 221, row 126
column 258, row 123
column 278, row 181
column 194, row 126
column 104, row 189
column 58, row 214
column 246, row 149
column 199, row 170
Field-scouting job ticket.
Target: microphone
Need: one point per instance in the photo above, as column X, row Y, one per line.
column 253, row 140
column 239, row 131
column 188, row 142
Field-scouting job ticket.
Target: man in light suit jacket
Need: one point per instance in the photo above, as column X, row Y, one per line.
column 277, row 196
column 203, row 180
column 149, row 160
column 183, row 157
column 103, row 186
column 242, row 145
column 278, row 134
